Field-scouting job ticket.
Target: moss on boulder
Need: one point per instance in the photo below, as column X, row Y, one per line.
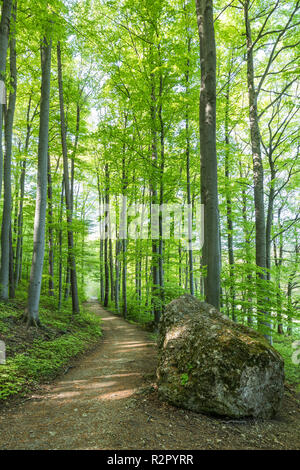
column 208, row 363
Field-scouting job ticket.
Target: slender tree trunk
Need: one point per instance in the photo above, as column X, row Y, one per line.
column 117, row 271
column 11, row 267
column 60, row 242
column 101, row 251
column 161, row 198
column 154, row 201
column 188, row 180
column 41, row 196
column 290, row 286
column 270, row 211
column 111, row 269
column 124, row 278
column 211, row 257
column 71, row 256
column 7, row 205
column 258, row 175
column 4, row 35
column 106, row 260
column 229, row 204
column 180, row 264
column 278, row 263
column 249, row 288
column 18, row 259
column 50, row 232
column 124, row 235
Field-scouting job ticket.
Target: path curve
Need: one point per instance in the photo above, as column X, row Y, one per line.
column 87, row 408
column 106, row 402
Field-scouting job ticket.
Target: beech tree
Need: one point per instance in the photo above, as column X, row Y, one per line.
column 41, row 196
column 209, row 179
column 8, row 133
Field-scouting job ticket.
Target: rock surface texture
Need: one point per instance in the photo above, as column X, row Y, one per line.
column 208, row 363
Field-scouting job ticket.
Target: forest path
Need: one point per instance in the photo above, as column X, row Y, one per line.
column 107, row 402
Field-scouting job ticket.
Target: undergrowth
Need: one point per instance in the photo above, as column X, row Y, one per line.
column 38, row 354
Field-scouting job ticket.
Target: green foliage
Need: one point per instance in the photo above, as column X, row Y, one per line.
column 45, row 359
column 184, row 378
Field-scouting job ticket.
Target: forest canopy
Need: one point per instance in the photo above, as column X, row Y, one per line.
column 151, row 103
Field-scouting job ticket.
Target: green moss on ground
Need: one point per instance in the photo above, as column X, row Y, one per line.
column 35, row 355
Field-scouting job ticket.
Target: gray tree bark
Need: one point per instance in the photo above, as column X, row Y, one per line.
column 106, row 260
column 4, row 34
column 258, row 176
column 211, row 257
column 228, row 203
column 71, row 256
column 7, row 205
column 50, row 233
column 41, row 196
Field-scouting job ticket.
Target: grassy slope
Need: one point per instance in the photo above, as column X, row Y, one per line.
column 36, row 355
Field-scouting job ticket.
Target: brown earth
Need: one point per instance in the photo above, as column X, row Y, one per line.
column 108, row 400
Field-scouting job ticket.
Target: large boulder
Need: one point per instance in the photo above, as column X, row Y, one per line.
column 208, row 363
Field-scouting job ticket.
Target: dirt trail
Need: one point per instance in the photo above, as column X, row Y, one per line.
column 107, row 401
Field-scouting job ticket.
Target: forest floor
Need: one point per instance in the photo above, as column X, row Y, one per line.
column 108, row 400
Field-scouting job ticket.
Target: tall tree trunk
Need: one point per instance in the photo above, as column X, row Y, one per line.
column 60, row 242
column 179, row 264
column 50, row 232
column 258, row 175
column 71, row 256
column 117, row 271
column 290, row 287
column 41, row 196
column 188, row 180
column 111, row 271
column 4, row 35
column 18, row 259
column 161, row 198
column 101, row 251
column 124, row 222
column 106, row 256
column 228, row 203
column 154, row 201
column 211, row 257
column 278, row 258
column 11, row 267
column 270, row 211
column 249, row 288
column 7, row 205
